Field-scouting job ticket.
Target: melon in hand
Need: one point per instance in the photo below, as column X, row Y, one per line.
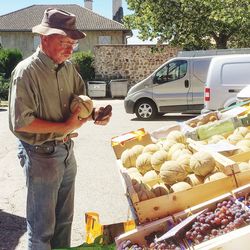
column 84, row 102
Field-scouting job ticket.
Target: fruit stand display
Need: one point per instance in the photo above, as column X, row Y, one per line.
column 175, row 174
column 159, row 179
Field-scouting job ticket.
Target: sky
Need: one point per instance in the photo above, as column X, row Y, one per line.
column 102, row 7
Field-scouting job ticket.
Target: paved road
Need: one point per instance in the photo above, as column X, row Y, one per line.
column 98, row 185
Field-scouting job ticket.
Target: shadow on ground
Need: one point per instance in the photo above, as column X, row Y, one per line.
column 177, row 118
column 12, row 227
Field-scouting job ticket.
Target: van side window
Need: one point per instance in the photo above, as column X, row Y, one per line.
column 171, row 71
column 231, row 72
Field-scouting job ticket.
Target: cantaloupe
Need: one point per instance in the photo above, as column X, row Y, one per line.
column 214, row 177
column 143, row 163
column 151, row 148
column 171, row 172
column 158, row 158
column 180, row 186
column 202, row 163
column 84, row 102
column 160, row 189
column 177, row 136
column 150, row 178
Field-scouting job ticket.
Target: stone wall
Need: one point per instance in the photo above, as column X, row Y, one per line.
column 132, row 62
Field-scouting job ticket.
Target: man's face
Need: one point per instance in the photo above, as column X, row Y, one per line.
column 58, row 47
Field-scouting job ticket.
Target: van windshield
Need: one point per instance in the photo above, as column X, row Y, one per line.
column 171, row 71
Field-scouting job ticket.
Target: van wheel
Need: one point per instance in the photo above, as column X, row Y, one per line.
column 145, row 110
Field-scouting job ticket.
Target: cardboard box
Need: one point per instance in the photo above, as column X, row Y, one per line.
column 128, row 140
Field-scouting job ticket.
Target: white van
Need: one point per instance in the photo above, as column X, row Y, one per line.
column 176, row 86
column 244, row 94
column 226, row 76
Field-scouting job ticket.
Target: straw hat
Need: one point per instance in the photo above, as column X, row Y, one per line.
column 57, row 21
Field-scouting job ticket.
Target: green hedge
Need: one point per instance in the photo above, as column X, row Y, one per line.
column 83, row 62
column 4, row 88
column 9, row 58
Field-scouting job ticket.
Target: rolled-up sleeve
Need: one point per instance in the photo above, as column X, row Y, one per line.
column 22, row 103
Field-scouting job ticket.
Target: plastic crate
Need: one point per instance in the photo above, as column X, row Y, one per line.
column 96, row 88
column 118, row 87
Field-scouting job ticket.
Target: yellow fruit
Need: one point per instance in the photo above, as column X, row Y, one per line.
column 171, row 172
column 176, row 136
column 242, row 131
column 150, row 178
column 151, row 148
column 158, row 158
column 202, row 163
column 184, row 161
column 84, row 102
column 212, row 118
column 175, row 147
column 167, row 144
column 143, row 163
column 194, row 179
column 214, row 177
column 180, row 186
column 244, row 166
column 160, row 189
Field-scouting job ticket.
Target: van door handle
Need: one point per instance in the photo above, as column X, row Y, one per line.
column 233, row 90
column 186, row 83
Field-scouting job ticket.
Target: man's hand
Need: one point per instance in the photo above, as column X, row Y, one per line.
column 74, row 122
column 105, row 119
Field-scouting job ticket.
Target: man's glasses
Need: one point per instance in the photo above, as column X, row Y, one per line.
column 66, row 45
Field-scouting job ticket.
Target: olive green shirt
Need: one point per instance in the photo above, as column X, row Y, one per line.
column 42, row 89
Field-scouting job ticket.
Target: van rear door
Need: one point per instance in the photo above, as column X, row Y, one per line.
column 198, row 78
column 169, row 90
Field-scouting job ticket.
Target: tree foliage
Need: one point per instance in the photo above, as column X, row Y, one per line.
column 9, row 58
column 192, row 24
column 84, row 61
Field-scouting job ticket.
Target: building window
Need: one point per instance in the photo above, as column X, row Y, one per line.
column 36, row 42
column 104, row 39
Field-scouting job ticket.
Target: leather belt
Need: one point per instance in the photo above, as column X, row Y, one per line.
column 58, row 142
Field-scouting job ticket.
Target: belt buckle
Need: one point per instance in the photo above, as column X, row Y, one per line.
column 65, row 139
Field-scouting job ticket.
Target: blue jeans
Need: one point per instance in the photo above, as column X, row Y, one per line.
column 50, row 179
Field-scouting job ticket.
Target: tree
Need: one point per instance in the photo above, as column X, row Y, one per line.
column 84, row 60
column 192, row 24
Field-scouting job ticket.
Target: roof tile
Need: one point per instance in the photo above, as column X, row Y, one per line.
column 87, row 20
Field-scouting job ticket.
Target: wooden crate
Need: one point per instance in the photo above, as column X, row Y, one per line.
column 128, row 140
column 138, row 234
column 162, row 206
column 209, row 203
column 238, row 239
column 233, row 240
column 242, row 178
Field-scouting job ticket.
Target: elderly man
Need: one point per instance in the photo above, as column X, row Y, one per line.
column 42, row 87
